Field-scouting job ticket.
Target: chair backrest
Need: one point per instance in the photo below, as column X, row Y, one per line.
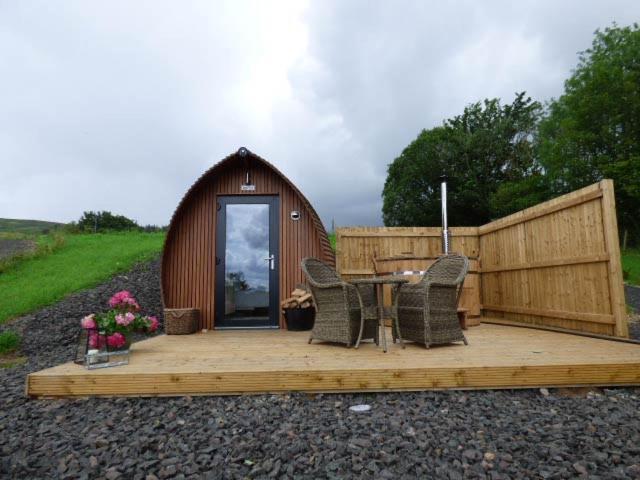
column 447, row 269
column 319, row 272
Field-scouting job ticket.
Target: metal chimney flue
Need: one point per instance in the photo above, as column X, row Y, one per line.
column 446, row 234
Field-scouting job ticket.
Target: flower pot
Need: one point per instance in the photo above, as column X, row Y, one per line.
column 97, row 349
column 300, row 319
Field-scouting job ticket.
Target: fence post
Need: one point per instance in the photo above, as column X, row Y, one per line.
column 612, row 242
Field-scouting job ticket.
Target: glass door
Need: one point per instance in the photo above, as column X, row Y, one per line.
column 247, row 262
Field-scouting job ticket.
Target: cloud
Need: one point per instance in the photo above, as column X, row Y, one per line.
column 120, row 106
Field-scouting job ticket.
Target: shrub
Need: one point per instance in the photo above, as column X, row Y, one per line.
column 105, row 222
column 9, row 342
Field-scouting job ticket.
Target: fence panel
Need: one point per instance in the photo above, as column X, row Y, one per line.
column 556, row 264
column 406, row 248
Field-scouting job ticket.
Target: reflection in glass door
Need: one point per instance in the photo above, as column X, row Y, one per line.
column 246, row 259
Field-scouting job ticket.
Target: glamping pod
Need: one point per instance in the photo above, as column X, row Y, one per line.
column 235, row 243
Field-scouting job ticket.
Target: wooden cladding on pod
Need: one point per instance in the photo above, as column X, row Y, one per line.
column 188, row 261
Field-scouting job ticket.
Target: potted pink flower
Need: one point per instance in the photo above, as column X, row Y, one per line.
column 113, row 328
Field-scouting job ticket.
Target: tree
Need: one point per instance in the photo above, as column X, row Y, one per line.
column 489, row 145
column 105, row 221
column 593, row 130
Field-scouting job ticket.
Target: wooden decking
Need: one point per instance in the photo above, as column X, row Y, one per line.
column 261, row 361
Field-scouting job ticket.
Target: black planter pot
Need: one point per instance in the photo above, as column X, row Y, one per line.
column 300, row 319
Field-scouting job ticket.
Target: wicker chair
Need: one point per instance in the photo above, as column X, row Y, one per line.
column 339, row 305
column 427, row 310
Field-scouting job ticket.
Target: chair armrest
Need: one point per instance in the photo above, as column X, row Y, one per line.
column 412, row 295
column 328, row 285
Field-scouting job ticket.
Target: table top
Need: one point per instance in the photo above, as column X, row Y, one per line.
column 375, row 280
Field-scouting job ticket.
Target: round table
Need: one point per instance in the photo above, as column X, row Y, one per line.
column 378, row 282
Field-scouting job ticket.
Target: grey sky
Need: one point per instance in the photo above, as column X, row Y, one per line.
column 121, row 105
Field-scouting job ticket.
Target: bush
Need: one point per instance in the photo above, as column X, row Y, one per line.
column 105, row 222
column 9, row 342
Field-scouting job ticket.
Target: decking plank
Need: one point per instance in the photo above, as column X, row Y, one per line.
column 234, row 362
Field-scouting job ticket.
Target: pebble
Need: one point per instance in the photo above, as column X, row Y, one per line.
column 489, row 456
column 112, row 474
column 581, row 469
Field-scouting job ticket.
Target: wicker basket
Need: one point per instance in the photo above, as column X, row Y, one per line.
column 180, row 321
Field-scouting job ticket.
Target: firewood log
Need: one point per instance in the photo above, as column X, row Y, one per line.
column 287, row 301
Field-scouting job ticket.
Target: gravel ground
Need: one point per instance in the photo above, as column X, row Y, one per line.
column 492, row 434
column 632, row 296
column 10, row 247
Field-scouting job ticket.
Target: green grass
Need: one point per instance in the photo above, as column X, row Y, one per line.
column 83, row 261
column 631, row 266
column 12, row 362
column 332, row 239
column 9, row 342
column 44, row 245
column 26, row 226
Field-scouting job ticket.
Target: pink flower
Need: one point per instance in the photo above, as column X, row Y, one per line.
column 122, row 298
column 153, row 324
column 88, row 322
column 125, row 319
column 95, row 340
column 132, row 302
column 116, row 340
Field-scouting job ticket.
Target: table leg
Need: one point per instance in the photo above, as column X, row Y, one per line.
column 361, row 317
column 381, row 316
column 395, row 315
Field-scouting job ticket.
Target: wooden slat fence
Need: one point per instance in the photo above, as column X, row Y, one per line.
column 358, row 247
column 556, row 264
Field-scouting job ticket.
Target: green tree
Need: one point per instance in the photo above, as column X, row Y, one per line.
column 593, row 130
column 105, row 221
column 489, row 145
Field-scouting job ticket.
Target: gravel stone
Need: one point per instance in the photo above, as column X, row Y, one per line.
column 486, row 434
column 112, row 474
column 632, row 296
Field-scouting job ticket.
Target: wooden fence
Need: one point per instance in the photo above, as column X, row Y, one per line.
column 555, row 265
column 405, row 248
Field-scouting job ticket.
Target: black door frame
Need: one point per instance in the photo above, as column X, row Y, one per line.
column 274, row 249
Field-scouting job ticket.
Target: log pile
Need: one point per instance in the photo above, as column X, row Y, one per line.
column 300, row 298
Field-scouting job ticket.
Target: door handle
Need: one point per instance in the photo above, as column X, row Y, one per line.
column 272, row 261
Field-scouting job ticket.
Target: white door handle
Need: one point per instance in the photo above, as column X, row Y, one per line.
column 272, row 261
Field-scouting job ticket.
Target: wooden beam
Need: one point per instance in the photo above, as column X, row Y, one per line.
column 561, row 262
column 385, row 234
column 612, row 240
column 511, row 323
column 358, row 271
column 580, row 316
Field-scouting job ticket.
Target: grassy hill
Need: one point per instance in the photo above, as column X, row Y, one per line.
column 26, row 226
column 81, row 261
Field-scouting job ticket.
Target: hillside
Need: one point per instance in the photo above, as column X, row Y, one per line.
column 82, row 261
column 26, row 226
